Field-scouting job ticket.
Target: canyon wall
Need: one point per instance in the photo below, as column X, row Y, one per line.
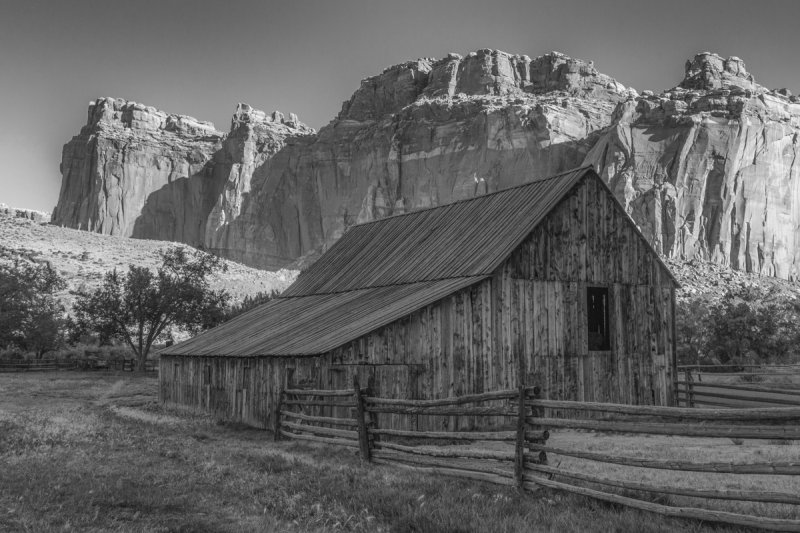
column 135, row 171
column 706, row 169
column 419, row 134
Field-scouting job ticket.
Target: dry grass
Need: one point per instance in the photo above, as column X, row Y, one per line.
column 95, row 452
column 82, row 257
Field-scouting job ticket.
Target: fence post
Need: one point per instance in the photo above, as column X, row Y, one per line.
column 278, row 407
column 537, row 413
column 519, row 463
column 363, row 435
column 689, row 388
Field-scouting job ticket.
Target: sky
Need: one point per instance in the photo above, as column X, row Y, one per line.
column 201, row 58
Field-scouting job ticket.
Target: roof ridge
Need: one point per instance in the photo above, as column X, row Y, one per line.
column 465, row 200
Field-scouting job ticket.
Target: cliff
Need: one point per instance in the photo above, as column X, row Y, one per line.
column 421, row 133
column 706, row 168
column 135, row 171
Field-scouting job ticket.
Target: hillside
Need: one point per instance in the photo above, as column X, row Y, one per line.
column 82, row 257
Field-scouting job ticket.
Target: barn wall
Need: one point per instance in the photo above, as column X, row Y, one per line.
column 245, row 389
column 238, row 389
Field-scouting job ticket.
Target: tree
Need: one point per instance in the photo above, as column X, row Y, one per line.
column 691, row 325
column 751, row 325
column 140, row 307
column 31, row 318
column 249, row 302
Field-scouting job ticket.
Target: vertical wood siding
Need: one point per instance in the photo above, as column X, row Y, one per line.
column 534, row 306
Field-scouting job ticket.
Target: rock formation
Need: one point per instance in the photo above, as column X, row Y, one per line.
column 706, row 168
column 421, row 133
column 40, row 217
column 135, row 171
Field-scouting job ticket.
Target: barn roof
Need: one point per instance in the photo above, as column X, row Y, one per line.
column 381, row 271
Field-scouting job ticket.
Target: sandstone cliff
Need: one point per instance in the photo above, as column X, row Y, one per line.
column 706, row 168
column 135, row 171
column 421, row 133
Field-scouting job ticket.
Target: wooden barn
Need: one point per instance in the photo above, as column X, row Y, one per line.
column 444, row 301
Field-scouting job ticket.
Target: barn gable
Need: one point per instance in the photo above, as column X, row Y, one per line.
column 385, row 270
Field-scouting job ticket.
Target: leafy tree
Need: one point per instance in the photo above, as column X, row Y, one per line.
column 691, row 325
column 750, row 325
column 31, row 318
column 140, row 307
column 746, row 325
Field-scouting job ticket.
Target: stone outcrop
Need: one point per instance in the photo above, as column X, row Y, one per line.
column 136, row 171
column 234, row 227
column 40, row 217
column 707, row 169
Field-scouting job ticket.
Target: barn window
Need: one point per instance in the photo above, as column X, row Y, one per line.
column 207, row 375
column 245, row 377
column 597, row 316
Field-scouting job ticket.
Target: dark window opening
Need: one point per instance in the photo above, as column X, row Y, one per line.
column 245, row 377
column 597, row 316
column 207, row 375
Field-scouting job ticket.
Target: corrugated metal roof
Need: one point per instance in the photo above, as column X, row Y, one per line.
column 315, row 324
column 381, row 271
column 465, row 238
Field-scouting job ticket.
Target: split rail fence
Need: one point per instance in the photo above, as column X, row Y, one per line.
column 46, row 365
column 517, row 453
column 738, row 385
column 38, row 365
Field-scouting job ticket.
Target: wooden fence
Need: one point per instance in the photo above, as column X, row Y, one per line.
column 21, row 365
column 45, row 365
column 517, row 454
column 710, row 385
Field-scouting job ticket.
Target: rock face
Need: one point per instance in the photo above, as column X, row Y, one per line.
column 706, row 168
column 136, row 171
column 419, row 134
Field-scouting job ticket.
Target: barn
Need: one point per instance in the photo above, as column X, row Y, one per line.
column 444, row 301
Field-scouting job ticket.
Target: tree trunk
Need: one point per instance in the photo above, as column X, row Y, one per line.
column 141, row 361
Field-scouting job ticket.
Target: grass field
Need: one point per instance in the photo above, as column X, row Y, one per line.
column 95, row 452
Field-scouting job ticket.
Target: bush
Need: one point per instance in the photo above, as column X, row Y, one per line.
column 746, row 326
column 31, row 318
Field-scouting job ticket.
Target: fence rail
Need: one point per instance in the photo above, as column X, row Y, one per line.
column 692, row 390
column 348, row 418
column 46, row 365
column 38, row 365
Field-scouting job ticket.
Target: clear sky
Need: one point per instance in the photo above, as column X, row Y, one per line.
column 200, row 58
